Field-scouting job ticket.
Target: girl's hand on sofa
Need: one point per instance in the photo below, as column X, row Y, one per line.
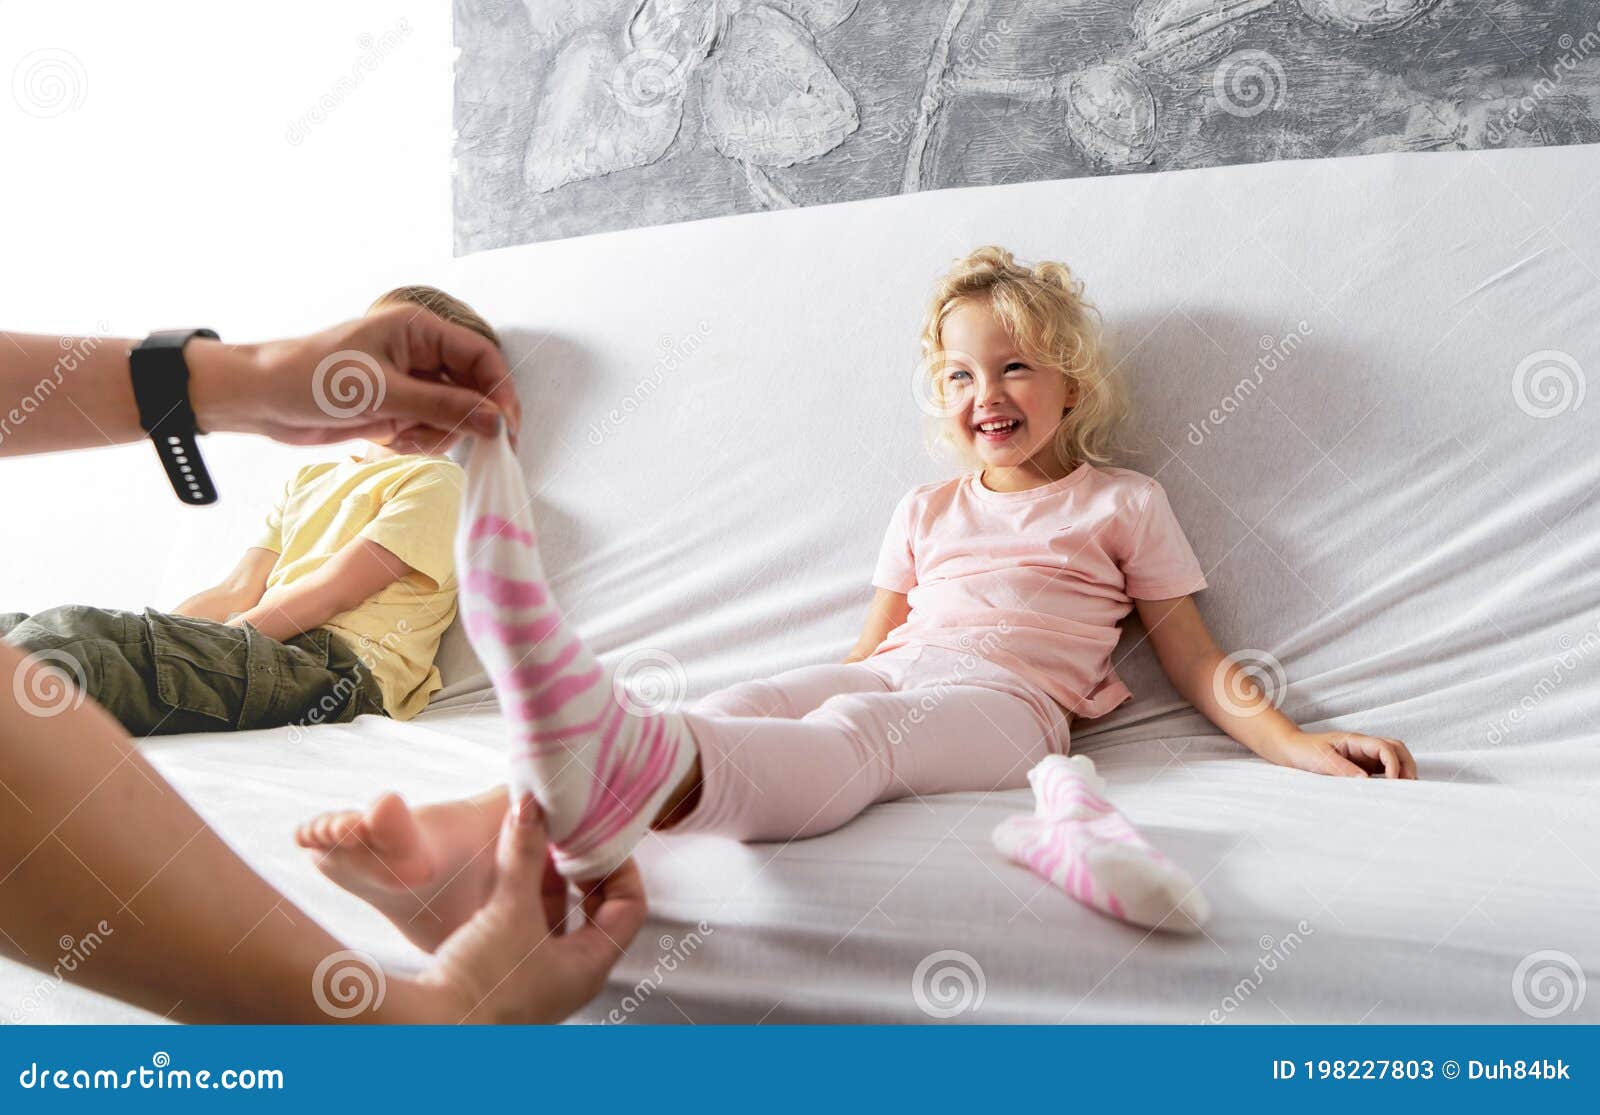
column 1345, row 754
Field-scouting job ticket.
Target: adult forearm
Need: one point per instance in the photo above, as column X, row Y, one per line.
column 159, row 911
column 75, row 392
column 80, row 382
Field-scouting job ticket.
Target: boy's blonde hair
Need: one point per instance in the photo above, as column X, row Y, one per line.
column 447, row 306
column 1043, row 308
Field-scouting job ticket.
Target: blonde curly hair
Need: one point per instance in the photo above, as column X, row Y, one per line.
column 1043, row 308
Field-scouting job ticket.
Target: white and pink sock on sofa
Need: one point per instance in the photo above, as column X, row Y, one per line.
column 600, row 771
column 1077, row 841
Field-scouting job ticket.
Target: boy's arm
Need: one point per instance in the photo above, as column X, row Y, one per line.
column 1232, row 699
column 359, row 571
column 241, row 589
column 887, row 611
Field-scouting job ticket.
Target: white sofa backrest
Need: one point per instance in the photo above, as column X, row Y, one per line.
column 1359, row 380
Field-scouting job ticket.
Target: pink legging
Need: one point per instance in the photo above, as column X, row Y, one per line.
column 803, row 752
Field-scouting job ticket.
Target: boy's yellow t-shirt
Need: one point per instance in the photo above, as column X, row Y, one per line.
column 408, row 505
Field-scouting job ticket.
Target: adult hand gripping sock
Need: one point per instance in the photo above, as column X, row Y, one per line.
column 1081, row 844
column 600, row 768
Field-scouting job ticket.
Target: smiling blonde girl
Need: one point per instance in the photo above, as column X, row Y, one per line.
column 999, row 596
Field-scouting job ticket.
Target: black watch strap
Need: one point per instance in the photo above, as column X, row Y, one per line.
column 161, row 388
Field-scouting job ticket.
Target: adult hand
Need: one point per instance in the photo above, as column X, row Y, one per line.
column 511, row 962
column 399, row 376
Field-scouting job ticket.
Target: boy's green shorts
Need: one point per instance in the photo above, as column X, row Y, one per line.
column 161, row 674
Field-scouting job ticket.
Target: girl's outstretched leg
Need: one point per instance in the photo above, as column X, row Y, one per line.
column 601, row 766
column 788, row 696
column 793, row 693
column 770, row 778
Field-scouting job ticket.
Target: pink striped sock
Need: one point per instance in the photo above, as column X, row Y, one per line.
column 1076, row 840
column 601, row 771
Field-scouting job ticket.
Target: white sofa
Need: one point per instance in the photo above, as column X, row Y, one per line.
column 1359, row 380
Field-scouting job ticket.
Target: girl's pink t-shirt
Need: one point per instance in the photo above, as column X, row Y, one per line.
column 1036, row 581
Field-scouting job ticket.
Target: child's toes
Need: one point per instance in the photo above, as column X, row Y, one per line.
column 357, row 868
column 389, row 827
column 307, row 835
column 325, row 832
column 345, row 829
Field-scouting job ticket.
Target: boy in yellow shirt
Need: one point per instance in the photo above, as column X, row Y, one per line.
column 337, row 610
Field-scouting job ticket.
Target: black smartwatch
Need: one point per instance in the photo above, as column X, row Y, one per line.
column 161, row 388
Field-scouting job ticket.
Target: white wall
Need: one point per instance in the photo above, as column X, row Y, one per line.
column 171, row 194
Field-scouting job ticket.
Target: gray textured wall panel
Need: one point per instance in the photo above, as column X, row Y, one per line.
column 579, row 116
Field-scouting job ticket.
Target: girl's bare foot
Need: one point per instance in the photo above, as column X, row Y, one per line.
column 427, row 870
